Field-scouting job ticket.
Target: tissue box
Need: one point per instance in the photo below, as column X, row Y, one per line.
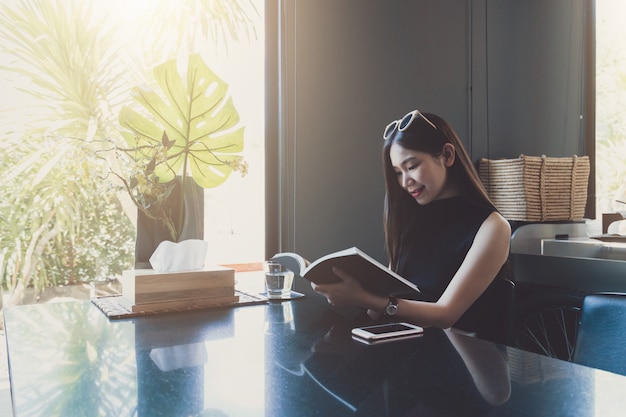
column 148, row 290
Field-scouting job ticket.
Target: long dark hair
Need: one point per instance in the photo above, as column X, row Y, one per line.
column 400, row 208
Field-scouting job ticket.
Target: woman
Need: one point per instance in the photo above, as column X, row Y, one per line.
column 442, row 231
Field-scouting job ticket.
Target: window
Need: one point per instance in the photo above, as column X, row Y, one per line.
column 65, row 74
column 610, row 104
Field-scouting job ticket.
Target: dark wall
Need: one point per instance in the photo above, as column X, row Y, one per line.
column 506, row 74
column 535, row 52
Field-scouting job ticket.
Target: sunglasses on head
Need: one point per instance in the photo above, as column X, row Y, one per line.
column 402, row 124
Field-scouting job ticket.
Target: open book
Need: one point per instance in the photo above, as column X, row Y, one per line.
column 373, row 276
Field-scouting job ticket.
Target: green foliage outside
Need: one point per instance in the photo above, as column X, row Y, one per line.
column 72, row 68
column 59, row 224
column 610, row 105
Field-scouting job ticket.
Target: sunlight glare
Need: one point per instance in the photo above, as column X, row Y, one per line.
column 128, row 9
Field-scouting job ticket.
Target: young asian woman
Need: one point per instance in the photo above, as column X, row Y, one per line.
column 442, row 231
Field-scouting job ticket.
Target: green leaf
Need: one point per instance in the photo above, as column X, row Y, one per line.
column 193, row 118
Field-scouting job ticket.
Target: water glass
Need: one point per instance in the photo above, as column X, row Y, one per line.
column 278, row 279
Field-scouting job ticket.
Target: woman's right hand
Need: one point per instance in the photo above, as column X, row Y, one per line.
column 345, row 292
column 349, row 292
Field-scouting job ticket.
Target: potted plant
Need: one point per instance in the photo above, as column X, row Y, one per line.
column 189, row 139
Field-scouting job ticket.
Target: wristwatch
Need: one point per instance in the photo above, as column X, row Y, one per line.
column 392, row 307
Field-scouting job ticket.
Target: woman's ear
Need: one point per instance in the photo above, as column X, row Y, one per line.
column 449, row 154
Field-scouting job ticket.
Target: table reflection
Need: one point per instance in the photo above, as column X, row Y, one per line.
column 176, row 390
column 87, row 366
column 442, row 373
column 279, row 318
column 423, row 376
column 189, row 367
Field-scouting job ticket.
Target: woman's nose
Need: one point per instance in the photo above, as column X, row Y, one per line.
column 406, row 180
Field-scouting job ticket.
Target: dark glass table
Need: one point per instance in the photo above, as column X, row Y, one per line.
column 291, row 358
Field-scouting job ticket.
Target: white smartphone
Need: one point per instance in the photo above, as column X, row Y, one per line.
column 386, row 332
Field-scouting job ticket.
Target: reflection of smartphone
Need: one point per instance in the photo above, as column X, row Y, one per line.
column 386, row 332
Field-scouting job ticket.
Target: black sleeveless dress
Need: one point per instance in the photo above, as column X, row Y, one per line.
column 436, row 245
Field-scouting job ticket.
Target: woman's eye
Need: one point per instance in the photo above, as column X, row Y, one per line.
column 412, row 167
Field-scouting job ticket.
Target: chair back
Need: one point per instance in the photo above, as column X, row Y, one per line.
column 601, row 340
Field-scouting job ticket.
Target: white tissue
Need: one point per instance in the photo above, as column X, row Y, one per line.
column 188, row 255
column 617, row 227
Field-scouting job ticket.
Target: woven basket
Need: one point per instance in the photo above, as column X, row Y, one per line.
column 537, row 188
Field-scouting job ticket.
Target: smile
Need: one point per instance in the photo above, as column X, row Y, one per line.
column 417, row 192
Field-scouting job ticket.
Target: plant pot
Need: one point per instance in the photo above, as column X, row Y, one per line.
column 151, row 232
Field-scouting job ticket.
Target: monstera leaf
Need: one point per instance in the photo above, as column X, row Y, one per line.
column 194, row 123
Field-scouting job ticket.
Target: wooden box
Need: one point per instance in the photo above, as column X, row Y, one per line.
column 148, row 290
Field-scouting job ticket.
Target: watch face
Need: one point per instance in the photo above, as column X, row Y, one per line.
column 392, row 309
